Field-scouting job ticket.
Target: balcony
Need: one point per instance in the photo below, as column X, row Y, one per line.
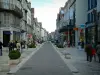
column 11, row 8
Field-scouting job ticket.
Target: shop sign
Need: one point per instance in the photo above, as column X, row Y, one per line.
column 75, row 28
column 82, row 26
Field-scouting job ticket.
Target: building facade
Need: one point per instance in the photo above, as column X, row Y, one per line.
column 67, row 22
column 91, row 24
column 98, row 11
column 10, row 18
column 81, row 19
column 24, row 21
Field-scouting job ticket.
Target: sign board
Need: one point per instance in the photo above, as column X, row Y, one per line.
column 82, row 26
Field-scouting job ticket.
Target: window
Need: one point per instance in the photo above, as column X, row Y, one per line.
column 89, row 3
column 6, row 5
column 92, row 4
column 89, row 17
column 95, row 3
column 6, row 18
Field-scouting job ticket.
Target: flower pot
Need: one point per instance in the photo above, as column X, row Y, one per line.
column 14, row 62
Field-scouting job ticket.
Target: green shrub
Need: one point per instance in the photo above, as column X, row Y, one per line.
column 60, row 46
column 15, row 54
column 32, row 46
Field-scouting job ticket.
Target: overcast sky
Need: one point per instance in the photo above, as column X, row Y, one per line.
column 46, row 12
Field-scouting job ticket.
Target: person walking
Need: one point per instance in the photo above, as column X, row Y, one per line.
column 18, row 45
column 98, row 50
column 10, row 45
column 88, row 50
column 94, row 53
column 1, row 44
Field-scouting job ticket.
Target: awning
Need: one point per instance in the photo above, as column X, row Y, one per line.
column 6, row 32
column 16, row 32
column 65, row 28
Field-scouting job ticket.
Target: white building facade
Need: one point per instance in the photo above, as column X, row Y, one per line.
column 10, row 18
column 81, row 19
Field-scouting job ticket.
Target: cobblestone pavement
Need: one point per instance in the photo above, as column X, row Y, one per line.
column 78, row 60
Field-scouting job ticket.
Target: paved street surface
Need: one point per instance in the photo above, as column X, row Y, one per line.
column 78, row 60
column 45, row 62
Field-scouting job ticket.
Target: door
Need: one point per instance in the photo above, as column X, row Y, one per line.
column 6, row 38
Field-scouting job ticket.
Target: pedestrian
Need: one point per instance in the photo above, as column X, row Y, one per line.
column 18, row 45
column 98, row 51
column 79, row 45
column 88, row 50
column 1, row 44
column 10, row 45
column 64, row 44
column 14, row 45
column 94, row 53
column 82, row 44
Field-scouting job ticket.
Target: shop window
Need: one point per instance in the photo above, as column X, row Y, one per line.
column 89, row 4
column 95, row 3
column 89, row 19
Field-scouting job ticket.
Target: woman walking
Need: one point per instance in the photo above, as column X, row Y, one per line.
column 88, row 50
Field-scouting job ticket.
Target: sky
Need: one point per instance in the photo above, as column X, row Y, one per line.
column 46, row 12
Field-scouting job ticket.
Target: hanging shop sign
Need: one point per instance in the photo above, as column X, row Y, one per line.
column 82, row 26
column 75, row 28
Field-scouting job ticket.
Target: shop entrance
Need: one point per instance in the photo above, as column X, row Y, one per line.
column 6, row 38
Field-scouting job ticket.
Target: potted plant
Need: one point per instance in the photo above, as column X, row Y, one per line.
column 14, row 57
column 59, row 46
column 32, row 45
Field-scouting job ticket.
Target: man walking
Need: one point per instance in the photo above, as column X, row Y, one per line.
column 88, row 50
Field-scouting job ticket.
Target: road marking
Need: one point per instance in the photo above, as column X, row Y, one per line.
column 15, row 69
column 70, row 66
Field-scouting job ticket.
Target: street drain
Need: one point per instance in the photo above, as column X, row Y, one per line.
column 25, row 68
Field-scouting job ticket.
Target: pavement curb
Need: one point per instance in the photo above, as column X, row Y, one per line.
column 15, row 69
column 70, row 66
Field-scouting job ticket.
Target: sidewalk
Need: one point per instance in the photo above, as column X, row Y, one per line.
column 78, row 59
column 5, row 66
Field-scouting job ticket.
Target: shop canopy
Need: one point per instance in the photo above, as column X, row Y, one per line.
column 66, row 28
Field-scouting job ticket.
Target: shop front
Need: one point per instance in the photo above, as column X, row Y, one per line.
column 69, row 34
column 91, row 34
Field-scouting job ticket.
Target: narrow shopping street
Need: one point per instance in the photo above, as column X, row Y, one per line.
column 45, row 62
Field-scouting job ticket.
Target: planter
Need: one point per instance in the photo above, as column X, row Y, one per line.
column 14, row 62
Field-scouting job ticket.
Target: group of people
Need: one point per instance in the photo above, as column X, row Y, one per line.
column 16, row 45
column 92, row 52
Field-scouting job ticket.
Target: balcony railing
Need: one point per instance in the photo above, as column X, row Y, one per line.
column 11, row 8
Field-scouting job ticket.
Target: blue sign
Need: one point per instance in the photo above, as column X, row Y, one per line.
column 82, row 26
